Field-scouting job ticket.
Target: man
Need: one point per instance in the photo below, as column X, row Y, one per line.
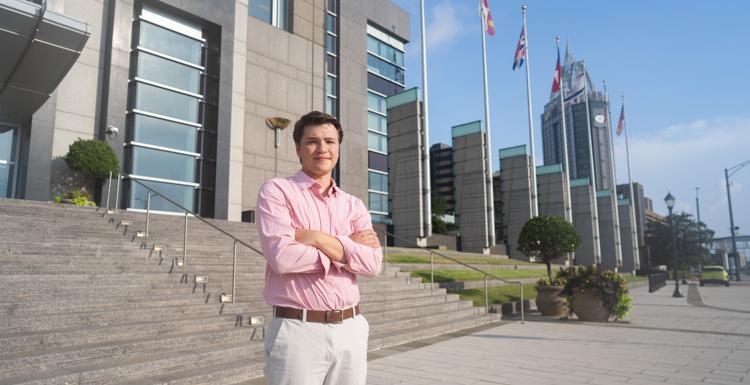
column 316, row 239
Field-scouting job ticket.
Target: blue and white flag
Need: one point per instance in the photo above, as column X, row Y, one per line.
column 521, row 50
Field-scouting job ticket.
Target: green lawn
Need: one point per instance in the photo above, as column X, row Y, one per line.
column 500, row 294
column 399, row 258
column 461, row 275
column 633, row 278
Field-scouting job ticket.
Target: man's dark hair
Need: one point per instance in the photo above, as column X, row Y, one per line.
column 315, row 118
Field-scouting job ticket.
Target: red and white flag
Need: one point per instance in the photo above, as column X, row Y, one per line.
column 489, row 25
column 557, row 81
column 621, row 122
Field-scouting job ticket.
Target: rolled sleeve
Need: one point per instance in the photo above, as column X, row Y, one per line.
column 282, row 252
column 360, row 259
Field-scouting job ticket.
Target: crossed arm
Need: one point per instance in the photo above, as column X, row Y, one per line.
column 331, row 246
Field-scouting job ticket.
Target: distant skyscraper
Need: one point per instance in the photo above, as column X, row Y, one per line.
column 578, row 150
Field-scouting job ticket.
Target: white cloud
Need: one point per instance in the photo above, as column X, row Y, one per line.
column 681, row 157
column 445, row 26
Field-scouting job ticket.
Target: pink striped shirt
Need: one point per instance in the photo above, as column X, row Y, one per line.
column 301, row 276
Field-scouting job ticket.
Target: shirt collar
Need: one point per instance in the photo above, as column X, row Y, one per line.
column 306, row 182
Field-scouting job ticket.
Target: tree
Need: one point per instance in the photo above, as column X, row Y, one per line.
column 439, row 208
column 548, row 237
column 691, row 241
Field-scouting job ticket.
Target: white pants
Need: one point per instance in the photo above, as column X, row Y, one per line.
column 311, row 353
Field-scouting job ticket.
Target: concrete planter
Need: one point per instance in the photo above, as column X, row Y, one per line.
column 550, row 302
column 588, row 306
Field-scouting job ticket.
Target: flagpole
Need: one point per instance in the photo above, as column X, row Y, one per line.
column 534, row 195
column 590, row 136
column 427, row 198
column 566, row 179
column 489, row 216
column 634, row 229
column 613, row 184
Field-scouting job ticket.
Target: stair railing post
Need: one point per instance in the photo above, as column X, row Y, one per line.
column 385, row 251
column 432, row 273
column 522, row 304
column 109, row 188
column 148, row 211
column 234, row 270
column 486, row 296
column 184, row 242
column 117, row 193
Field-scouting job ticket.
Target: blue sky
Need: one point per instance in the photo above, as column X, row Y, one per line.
column 682, row 66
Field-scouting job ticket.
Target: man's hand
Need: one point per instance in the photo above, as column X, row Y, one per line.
column 367, row 238
column 306, row 237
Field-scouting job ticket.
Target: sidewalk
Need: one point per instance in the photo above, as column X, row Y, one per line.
column 702, row 338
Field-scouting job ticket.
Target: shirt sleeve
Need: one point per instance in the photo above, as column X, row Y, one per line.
column 361, row 260
column 284, row 254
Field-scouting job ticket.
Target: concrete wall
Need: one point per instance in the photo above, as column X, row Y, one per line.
column 583, row 221
column 626, row 228
column 551, row 193
column 607, row 232
column 468, row 158
column 515, row 198
column 405, row 171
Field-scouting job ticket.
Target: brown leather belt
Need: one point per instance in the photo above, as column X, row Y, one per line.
column 321, row 316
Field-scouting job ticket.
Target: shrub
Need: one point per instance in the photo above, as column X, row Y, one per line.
column 78, row 197
column 94, row 158
column 548, row 237
column 608, row 285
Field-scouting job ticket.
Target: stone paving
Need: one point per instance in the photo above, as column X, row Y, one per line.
column 703, row 338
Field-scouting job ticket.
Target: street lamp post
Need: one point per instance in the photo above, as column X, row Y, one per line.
column 669, row 200
column 727, row 173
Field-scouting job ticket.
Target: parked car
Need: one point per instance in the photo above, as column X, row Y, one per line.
column 714, row 274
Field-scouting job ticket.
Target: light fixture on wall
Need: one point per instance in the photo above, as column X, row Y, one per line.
column 277, row 124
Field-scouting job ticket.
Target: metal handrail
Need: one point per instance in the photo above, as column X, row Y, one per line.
column 432, row 277
column 188, row 212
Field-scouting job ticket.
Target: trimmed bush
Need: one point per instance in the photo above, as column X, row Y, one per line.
column 548, row 237
column 94, row 158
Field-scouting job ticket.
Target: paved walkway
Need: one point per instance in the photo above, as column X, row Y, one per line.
column 703, row 338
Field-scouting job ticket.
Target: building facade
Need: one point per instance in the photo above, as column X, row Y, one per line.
column 181, row 90
column 574, row 78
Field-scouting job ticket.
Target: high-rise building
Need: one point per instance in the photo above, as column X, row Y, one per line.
column 441, row 175
column 182, row 90
column 574, row 78
column 385, row 77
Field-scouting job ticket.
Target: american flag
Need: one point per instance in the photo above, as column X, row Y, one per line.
column 621, row 122
column 521, row 50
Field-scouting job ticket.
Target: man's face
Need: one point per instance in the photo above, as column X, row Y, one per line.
column 318, row 149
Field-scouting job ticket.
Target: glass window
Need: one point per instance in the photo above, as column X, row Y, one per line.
column 165, row 102
column 170, row 43
column 164, row 133
column 333, row 6
column 331, row 23
column 378, row 202
column 331, row 66
column 6, row 180
column 378, row 181
column 282, row 15
column 380, row 218
column 331, row 106
column 183, row 195
column 330, row 85
column 7, row 139
column 169, row 73
column 377, row 161
column 385, row 69
column 376, row 103
column 331, row 43
column 385, row 51
column 261, row 10
column 377, row 142
column 162, row 164
column 382, row 86
column 377, row 122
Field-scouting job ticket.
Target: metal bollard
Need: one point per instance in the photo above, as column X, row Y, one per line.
column 522, row 311
column 109, row 188
column 184, row 242
column 117, row 194
column 432, row 273
column 234, row 270
column 486, row 297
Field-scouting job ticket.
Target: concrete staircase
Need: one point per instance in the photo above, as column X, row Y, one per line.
column 86, row 301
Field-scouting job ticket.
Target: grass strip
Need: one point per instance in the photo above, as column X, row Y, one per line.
column 399, row 258
column 499, row 294
column 462, row 275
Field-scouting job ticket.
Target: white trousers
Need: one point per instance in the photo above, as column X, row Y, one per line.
column 311, row 353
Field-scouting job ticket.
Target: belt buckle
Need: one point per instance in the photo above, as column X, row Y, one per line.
column 340, row 316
